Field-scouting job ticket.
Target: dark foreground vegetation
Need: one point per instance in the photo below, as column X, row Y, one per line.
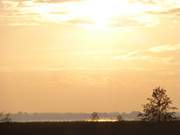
column 91, row 128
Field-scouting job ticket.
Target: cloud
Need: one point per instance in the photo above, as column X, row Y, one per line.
column 142, row 56
column 56, row 1
column 161, row 7
column 144, row 1
column 174, row 11
column 134, row 21
column 118, row 22
column 164, row 54
column 17, row 13
column 72, row 12
column 164, row 3
column 28, row 12
column 165, row 48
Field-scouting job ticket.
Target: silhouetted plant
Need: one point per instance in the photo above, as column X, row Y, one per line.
column 119, row 118
column 5, row 117
column 1, row 115
column 94, row 116
column 159, row 107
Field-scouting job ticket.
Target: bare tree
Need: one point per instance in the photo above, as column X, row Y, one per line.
column 159, row 107
column 94, row 116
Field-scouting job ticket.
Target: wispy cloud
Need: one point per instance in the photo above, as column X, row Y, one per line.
column 137, row 13
column 142, row 56
column 161, row 7
column 173, row 11
column 55, row 1
column 165, row 48
column 164, row 54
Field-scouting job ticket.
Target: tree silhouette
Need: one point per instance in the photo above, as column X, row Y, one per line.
column 159, row 107
column 5, row 117
column 94, row 116
column 119, row 118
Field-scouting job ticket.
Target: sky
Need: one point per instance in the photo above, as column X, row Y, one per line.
column 87, row 55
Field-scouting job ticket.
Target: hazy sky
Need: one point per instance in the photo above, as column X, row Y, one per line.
column 87, row 55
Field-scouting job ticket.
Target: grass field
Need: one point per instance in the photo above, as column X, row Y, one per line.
column 90, row 128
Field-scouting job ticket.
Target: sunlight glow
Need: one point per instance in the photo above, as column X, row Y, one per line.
column 95, row 14
column 102, row 13
column 102, row 120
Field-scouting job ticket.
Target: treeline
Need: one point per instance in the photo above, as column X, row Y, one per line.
column 158, row 109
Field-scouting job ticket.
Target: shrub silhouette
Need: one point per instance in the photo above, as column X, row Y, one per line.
column 94, row 116
column 5, row 117
column 159, row 107
column 119, row 118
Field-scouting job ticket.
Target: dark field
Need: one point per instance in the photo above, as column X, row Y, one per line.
column 90, row 128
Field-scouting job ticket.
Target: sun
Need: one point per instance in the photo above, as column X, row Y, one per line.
column 102, row 12
column 96, row 14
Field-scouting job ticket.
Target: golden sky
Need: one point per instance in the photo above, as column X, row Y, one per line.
column 87, row 55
